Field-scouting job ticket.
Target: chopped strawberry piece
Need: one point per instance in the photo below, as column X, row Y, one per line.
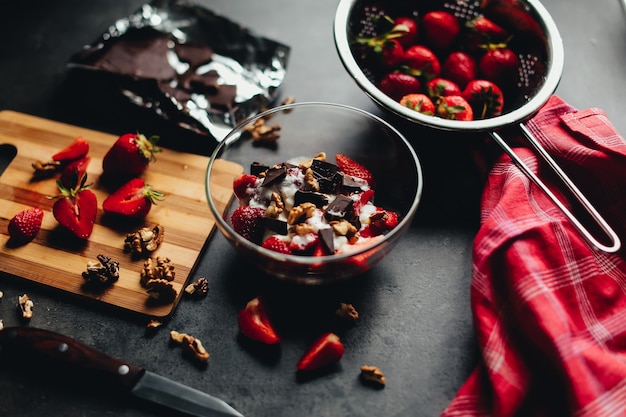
column 242, row 183
column 276, row 244
column 351, row 167
column 325, row 351
column 304, row 244
column 254, row 323
column 246, row 221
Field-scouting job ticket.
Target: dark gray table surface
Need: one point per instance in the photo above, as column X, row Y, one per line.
column 415, row 319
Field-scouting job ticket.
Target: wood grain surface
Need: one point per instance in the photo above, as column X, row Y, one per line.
column 57, row 259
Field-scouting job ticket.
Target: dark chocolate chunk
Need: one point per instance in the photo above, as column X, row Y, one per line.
column 329, row 185
column 319, row 199
column 257, row 168
column 339, row 208
column 349, row 185
column 323, row 169
column 274, row 175
column 327, row 238
column 275, row 225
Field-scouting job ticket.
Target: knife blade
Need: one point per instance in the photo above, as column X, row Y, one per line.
column 138, row 381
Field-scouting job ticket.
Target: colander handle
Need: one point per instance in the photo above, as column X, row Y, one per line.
column 615, row 241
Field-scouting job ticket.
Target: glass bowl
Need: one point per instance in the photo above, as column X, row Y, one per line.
column 306, row 129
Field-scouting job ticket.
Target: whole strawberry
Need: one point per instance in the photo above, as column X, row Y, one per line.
column 246, row 221
column 75, row 208
column 24, row 226
column 460, row 68
column 480, row 32
column 134, row 199
column 454, row 108
column 397, row 84
column 485, row 97
column 421, row 62
column 419, row 102
column 130, row 155
column 441, row 29
column 438, row 87
column 405, row 28
column 500, row 65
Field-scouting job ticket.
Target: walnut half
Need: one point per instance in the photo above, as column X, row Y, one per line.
column 145, row 240
column 373, row 374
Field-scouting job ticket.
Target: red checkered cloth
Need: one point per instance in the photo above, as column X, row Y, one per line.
column 549, row 310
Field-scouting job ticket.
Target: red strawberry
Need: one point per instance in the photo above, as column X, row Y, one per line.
column 326, row 350
column 24, row 226
column 130, row 155
column 133, row 199
column 454, row 108
column 363, row 199
column 392, row 53
column 276, row 244
column 419, row 102
column 384, row 220
column 459, row 67
column 242, row 183
column 441, row 29
column 405, row 28
column 438, row 87
column 481, row 32
column 353, row 168
column 422, row 62
column 76, row 208
column 254, row 323
column 485, row 97
column 75, row 150
column 74, row 171
column 512, row 16
column 304, row 244
column 397, row 84
column 246, row 221
column 500, row 65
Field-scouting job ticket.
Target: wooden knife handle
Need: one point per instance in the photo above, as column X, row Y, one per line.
column 68, row 351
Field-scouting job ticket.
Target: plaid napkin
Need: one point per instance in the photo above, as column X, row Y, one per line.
column 549, row 310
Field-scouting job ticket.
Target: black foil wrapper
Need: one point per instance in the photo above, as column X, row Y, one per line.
column 190, row 66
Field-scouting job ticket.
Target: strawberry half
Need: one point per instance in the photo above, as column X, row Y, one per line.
column 353, row 168
column 75, row 208
column 130, row 155
column 24, row 226
column 75, row 150
column 254, row 323
column 326, row 350
column 74, row 170
column 133, row 199
column 246, row 221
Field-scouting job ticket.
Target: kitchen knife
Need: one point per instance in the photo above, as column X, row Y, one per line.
column 138, row 381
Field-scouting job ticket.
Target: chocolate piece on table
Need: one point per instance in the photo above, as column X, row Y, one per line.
column 275, row 225
column 339, row 208
column 274, row 175
column 319, row 199
column 327, row 238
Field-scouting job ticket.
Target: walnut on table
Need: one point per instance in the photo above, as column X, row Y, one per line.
column 25, row 305
column 373, row 375
column 191, row 345
column 347, row 312
column 198, row 289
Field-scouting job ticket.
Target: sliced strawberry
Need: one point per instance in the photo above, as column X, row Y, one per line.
column 254, row 323
column 75, row 150
column 325, row 351
column 133, row 199
column 76, row 208
column 397, row 84
column 419, row 102
column 485, row 97
column 438, row 87
column 454, row 108
column 276, row 244
column 421, row 62
column 441, row 29
column 242, row 183
column 74, row 171
column 24, row 226
column 460, row 68
column 246, row 221
column 304, row 244
column 364, row 197
column 353, row 168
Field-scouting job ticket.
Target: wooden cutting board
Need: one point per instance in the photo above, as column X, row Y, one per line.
column 57, row 260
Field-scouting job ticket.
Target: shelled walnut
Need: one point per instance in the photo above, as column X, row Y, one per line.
column 347, row 312
column 191, row 345
column 161, row 290
column 198, row 289
column 160, row 267
column 372, row 374
column 104, row 272
column 26, row 306
column 145, row 240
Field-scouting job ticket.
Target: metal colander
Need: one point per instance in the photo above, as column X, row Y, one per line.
column 537, row 42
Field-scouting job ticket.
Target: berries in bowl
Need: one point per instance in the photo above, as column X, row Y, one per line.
column 498, row 60
column 327, row 191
